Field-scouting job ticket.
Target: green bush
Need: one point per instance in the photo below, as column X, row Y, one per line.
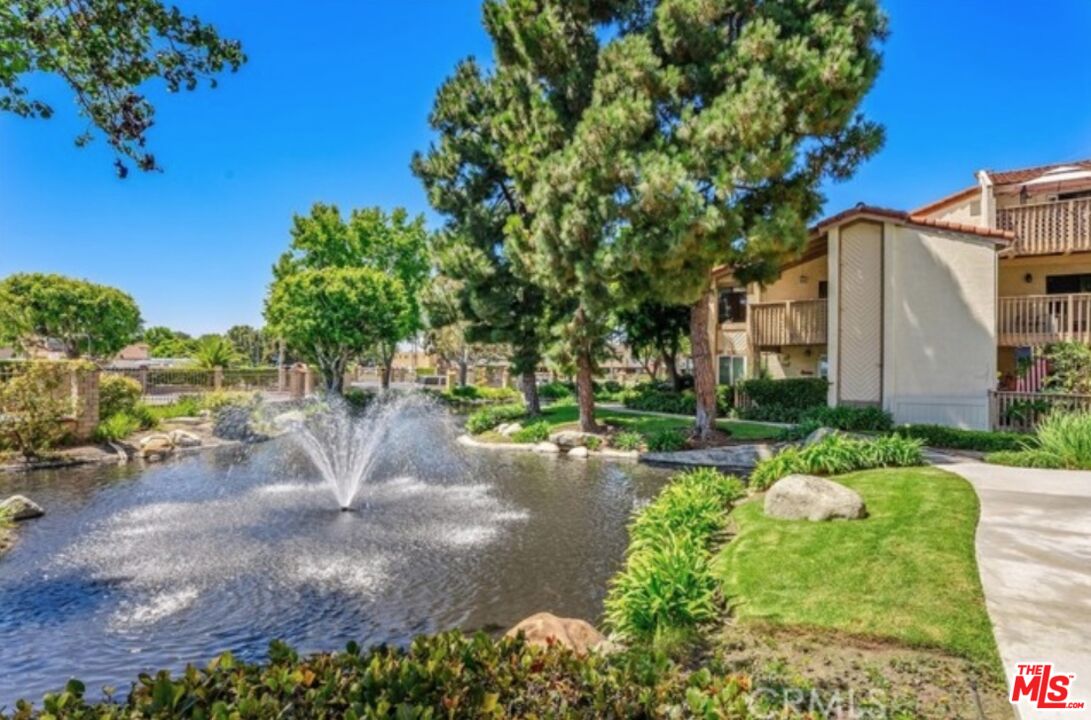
column 592, row 442
column 667, row 584
column 533, row 433
column 651, row 398
column 184, row 406
column 463, row 394
column 666, row 441
column 628, row 440
column 782, row 400
column 835, row 455
column 442, row 676
column 556, row 390
column 358, row 398
column 1027, row 459
column 34, row 405
column 117, row 394
column 489, row 417
column 851, row 419
column 118, row 426
column 219, row 399
column 1067, row 435
column 940, row 436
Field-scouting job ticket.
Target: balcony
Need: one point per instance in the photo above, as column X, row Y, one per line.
column 1048, row 228
column 792, row 322
column 1031, row 320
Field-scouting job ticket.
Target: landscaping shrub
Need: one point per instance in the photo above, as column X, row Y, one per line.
column 628, row 440
column 666, row 441
column 653, row 399
column 667, row 585
column 556, row 390
column 184, row 406
column 852, row 419
column 117, row 394
column 837, row 454
column 479, row 395
column 358, row 398
column 592, row 442
column 449, row 675
column 118, row 426
column 1067, row 435
column 489, row 417
column 1027, row 459
column 33, row 407
column 535, row 432
column 782, row 400
column 955, row 439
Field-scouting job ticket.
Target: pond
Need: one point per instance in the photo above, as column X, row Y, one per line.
column 136, row 568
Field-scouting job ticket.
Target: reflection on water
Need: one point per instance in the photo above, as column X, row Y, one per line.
column 133, row 570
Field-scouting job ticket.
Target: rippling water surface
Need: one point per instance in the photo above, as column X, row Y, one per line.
column 138, row 568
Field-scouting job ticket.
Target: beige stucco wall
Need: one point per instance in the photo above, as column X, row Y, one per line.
column 1013, row 272
column 795, row 283
column 939, row 327
column 966, row 211
column 859, row 305
column 793, row 362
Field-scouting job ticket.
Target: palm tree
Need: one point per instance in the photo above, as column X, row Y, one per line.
column 215, row 351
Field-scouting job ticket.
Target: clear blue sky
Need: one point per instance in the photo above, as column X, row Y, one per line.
column 335, row 99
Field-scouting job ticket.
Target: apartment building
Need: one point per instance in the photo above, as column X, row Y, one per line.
column 925, row 312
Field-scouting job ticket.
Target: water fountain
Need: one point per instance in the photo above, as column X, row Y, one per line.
column 343, row 441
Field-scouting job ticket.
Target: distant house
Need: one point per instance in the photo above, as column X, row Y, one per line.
column 924, row 313
column 135, row 351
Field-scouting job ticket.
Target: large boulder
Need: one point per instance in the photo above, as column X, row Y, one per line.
column 578, row 452
column 156, row 446
column 806, row 497
column 818, row 435
column 509, row 429
column 546, row 628
column 184, row 439
column 571, row 438
column 289, row 419
column 546, row 447
column 20, row 507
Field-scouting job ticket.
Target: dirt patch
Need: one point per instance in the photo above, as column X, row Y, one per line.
column 832, row 674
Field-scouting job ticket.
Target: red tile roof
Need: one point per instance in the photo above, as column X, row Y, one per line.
column 947, row 200
column 862, row 210
column 1007, row 177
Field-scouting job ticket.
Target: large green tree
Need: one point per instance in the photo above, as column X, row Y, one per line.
column 467, row 182
column 106, row 51
column 547, row 52
column 652, row 329
column 448, row 336
column 710, row 127
column 391, row 243
column 332, row 315
column 87, row 319
column 250, row 343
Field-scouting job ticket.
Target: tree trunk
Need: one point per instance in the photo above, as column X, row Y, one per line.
column 463, row 372
column 671, row 363
column 333, row 376
column 530, row 393
column 384, row 378
column 585, row 389
column 704, row 378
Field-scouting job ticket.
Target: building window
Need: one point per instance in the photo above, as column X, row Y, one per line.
column 732, row 369
column 823, row 289
column 824, row 367
column 1064, row 284
column 732, row 306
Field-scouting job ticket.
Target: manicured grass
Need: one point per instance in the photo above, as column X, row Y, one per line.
column 906, row 573
column 564, row 414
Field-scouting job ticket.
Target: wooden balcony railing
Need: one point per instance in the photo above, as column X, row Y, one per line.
column 1048, row 228
column 792, row 322
column 1031, row 320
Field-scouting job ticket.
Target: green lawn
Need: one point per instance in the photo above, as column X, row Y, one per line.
column 906, row 573
column 568, row 413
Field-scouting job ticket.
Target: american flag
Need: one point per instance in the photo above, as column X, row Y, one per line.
column 1033, row 376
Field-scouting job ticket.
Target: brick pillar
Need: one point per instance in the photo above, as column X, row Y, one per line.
column 452, row 380
column 85, row 399
column 217, row 378
column 282, row 378
column 308, row 380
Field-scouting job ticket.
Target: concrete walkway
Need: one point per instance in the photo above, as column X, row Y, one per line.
column 1034, row 555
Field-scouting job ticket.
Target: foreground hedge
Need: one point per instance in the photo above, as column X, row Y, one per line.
column 782, row 400
column 940, row 436
column 442, row 676
column 836, row 454
column 667, row 586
